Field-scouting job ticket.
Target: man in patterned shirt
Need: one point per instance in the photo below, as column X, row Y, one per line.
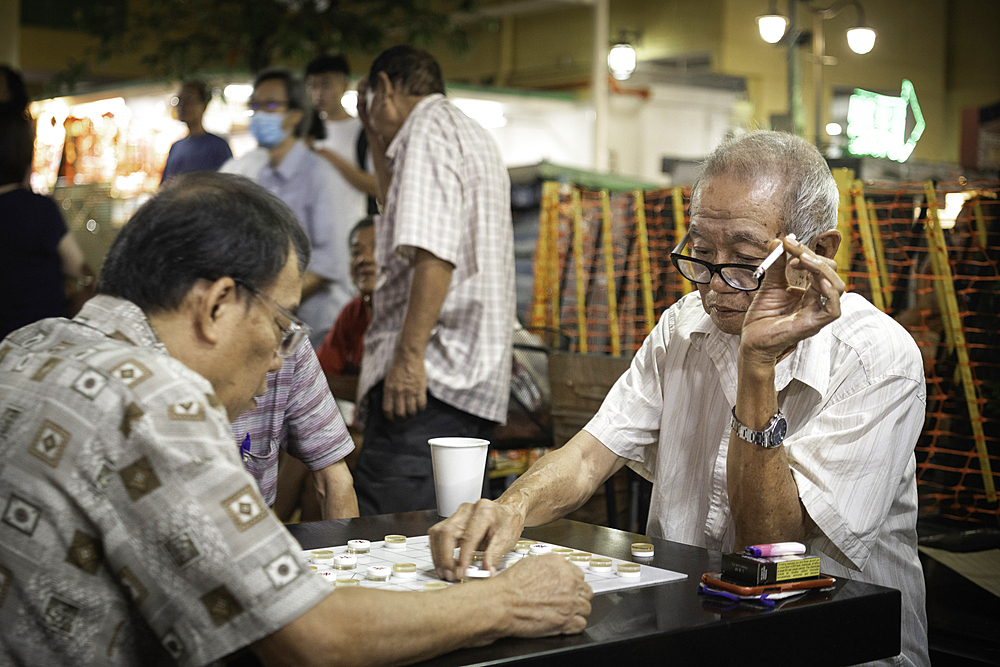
column 438, row 349
column 129, row 532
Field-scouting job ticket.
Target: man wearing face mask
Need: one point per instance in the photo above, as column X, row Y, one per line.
column 283, row 164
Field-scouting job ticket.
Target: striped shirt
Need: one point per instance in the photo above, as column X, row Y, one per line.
column 129, row 532
column 450, row 196
column 854, row 398
column 297, row 414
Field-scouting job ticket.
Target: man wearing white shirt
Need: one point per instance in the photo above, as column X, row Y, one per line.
column 763, row 409
column 344, row 145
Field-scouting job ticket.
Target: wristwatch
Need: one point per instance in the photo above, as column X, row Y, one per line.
column 772, row 436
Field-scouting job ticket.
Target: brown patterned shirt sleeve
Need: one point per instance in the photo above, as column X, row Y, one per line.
column 129, row 529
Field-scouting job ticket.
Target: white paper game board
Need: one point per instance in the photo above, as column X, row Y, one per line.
column 418, row 552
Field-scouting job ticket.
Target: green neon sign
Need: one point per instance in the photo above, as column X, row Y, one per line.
column 876, row 124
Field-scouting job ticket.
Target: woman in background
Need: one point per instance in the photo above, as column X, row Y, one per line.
column 41, row 266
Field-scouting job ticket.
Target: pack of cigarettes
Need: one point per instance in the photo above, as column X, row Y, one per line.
column 750, row 570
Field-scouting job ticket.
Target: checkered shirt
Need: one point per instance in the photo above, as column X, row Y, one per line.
column 129, row 532
column 297, row 414
column 449, row 195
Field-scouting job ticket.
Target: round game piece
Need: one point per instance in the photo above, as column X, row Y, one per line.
column 562, row 551
column 358, row 546
column 434, row 585
column 346, row 583
column 580, row 559
column 642, row 549
column 404, row 570
column 379, row 573
column 345, row 562
column 395, row 541
column 321, row 556
column 631, row 570
column 523, row 546
column 600, row 564
column 539, row 550
column 475, row 574
column 478, row 556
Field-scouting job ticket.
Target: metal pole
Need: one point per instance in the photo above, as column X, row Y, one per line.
column 599, row 84
column 818, row 48
column 796, row 114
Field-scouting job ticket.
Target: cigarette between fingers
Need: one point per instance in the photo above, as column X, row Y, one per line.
column 772, row 258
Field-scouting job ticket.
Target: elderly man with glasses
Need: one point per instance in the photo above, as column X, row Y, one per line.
column 763, row 409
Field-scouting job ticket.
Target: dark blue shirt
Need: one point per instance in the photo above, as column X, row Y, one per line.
column 202, row 152
column 31, row 275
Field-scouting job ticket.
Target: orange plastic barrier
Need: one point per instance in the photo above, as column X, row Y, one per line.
column 949, row 301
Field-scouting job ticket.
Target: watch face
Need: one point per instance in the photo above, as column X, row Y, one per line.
column 778, row 436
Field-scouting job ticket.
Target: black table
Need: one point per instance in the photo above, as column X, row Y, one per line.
column 667, row 624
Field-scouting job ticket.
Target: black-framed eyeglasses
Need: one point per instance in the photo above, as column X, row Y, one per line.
column 271, row 107
column 291, row 336
column 700, row 272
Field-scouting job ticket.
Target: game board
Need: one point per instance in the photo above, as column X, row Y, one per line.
column 418, row 551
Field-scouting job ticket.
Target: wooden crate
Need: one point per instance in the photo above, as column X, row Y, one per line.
column 579, row 384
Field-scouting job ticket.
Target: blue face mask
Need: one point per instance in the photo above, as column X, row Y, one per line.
column 266, row 128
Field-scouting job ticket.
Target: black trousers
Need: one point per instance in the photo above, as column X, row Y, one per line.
column 393, row 472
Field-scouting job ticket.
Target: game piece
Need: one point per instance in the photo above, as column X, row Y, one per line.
column 539, row 549
column 473, row 574
column 580, row 559
column 562, row 551
column 477, row 556
column 395, row 541
column 642, row 549
column 321, row 556
column 434, row 585
column 379, row 573
column 358, row 546
column 404, row 571
column 523, row 546
column 631, row 570
column 345, row 562
column 600, row 564
column 345, row 583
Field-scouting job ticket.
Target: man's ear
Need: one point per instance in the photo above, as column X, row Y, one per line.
column 217, row 306
column 388, row 90
column 827, row 243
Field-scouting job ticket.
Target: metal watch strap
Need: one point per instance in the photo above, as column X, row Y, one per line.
column 759, row 438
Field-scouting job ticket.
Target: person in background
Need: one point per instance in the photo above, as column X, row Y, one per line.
column 438, row 348
column 343, row 143
column 131, row 534
column 764, row 409
column 42, row 270
column 294, row 443
column 199, row 150
column 286, row 167
column 342, row 348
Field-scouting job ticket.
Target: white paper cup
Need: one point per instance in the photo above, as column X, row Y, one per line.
column 459, row 464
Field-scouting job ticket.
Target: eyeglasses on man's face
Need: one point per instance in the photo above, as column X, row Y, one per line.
column 293, row 334
column 700, row 272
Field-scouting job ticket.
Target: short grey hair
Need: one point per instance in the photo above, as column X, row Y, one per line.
column 810, row 193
